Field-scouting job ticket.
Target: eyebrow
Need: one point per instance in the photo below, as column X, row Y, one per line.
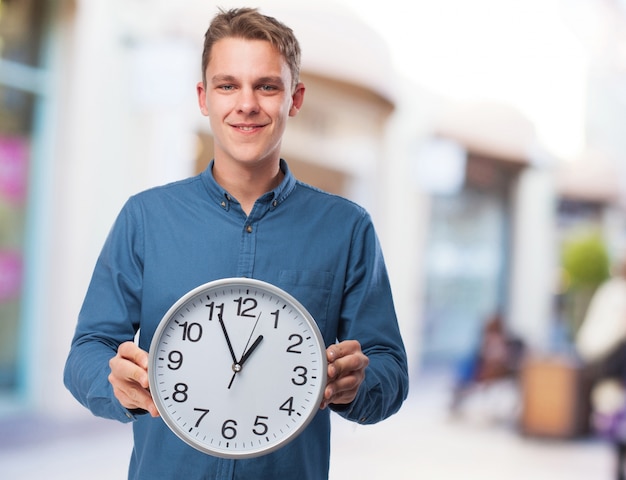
column 220, row 78
column 271, row 79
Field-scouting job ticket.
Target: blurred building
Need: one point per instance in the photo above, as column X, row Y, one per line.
column 98, row 101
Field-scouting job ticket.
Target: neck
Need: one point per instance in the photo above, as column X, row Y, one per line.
column 248, row 184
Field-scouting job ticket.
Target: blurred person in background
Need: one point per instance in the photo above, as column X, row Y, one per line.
column 168, row 240
column 497, row 357
column 601, row 344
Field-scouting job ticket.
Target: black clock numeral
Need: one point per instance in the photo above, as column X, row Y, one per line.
column 298, row 341
column 204, row 412
column 245, row 312
column 301, row 377
column 180, row 392
column 176, row 360
column 275, row 318
column 260, row 428
column 218, row 309
column 288, row 406
column 228, row 429
column 191, row 331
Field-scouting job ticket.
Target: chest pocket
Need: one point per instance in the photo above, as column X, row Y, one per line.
column 312, row 289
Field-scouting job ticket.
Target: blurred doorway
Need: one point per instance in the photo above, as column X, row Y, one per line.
column 466, row 267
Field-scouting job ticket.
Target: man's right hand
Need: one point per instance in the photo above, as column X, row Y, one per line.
column 129, row 378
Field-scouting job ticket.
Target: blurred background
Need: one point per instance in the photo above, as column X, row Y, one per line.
column 485, row 137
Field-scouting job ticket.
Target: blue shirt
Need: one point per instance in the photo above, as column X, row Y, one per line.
column 319, row 247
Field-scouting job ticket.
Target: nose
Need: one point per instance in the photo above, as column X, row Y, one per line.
column 247, row 102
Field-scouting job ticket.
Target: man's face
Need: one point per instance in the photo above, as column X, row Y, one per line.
column 248, row 99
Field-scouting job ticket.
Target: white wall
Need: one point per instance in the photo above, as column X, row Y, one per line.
column 534, row 263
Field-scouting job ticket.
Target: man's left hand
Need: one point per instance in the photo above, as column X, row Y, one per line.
column 346, row 372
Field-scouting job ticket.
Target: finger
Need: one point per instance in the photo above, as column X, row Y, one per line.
column 343, row 387
column 342, row 391
column 341, row 349
column 125, row 370
column 132, row 397
column 132, row 352
column 346, row 381
column 136, row 365
column 129, row 378
column 354, row 362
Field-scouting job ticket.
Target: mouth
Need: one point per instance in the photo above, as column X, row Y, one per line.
column 247, row 128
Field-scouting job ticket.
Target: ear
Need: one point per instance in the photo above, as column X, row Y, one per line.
column 201, row 91
column 297, row 99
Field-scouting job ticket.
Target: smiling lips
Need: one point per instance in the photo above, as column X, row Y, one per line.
column 247, row 128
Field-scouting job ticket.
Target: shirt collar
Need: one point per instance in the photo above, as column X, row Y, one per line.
column 275, row 197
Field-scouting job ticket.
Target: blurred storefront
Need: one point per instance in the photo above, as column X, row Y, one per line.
column 474, row 243
column 23, row 33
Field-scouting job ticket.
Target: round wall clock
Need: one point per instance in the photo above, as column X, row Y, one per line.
column 237, row 368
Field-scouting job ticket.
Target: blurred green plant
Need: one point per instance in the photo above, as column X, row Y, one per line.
column 586, row 260
column 586, row 265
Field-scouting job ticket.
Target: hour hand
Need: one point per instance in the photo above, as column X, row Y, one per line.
column 237, row 366
column 248, row 352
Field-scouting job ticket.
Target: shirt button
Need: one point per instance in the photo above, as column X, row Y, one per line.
column 223, row 204
column 249, row 229
column 275, row 202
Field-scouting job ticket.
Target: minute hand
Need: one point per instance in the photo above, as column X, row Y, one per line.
column 230, row 345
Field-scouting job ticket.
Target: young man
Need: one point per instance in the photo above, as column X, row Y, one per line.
column 244, row 216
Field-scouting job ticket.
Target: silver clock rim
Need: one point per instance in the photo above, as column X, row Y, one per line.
column 162, row 325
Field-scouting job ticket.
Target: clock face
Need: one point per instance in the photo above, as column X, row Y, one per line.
column 237, row 368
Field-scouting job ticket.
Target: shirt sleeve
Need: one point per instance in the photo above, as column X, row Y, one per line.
column 368, row 316
column 109, row 316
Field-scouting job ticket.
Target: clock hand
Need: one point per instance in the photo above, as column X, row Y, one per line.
column 252, row 332
column 232, row 379
column 238, row 366
column 230, row 345
column 248, row 352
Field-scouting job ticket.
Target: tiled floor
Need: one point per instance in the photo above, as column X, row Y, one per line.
column 421, row 442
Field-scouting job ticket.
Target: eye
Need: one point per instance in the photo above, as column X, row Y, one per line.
column 226, row 88
column 268, row 88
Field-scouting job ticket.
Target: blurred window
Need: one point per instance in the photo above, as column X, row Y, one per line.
column 466, row 271
column 21, row 30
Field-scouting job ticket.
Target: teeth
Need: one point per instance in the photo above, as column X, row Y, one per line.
column 246, row 129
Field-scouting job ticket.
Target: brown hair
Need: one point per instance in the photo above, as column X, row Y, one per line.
column 249, row 24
